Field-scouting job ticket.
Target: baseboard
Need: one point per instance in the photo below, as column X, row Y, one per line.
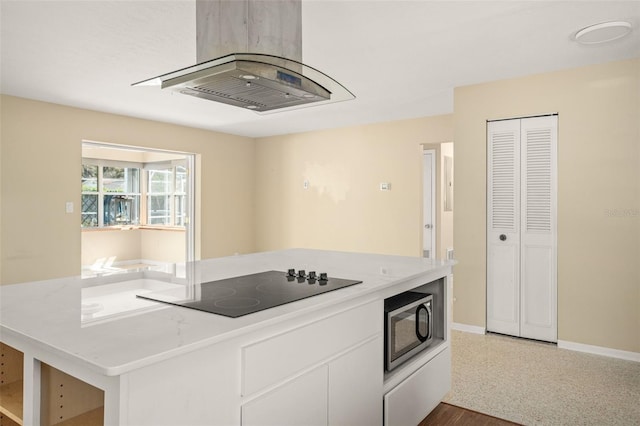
column 468, row 328
column 563, row 344
column 599, row 350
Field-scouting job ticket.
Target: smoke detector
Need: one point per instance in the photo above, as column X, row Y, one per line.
column 603, row 32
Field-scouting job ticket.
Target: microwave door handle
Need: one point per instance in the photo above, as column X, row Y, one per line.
column 420, row 336
column 430, row 320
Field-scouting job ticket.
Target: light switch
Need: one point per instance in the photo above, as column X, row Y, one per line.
column 68, row 207
column 305, row 184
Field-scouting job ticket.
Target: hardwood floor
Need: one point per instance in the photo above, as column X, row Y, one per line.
column 446, row 414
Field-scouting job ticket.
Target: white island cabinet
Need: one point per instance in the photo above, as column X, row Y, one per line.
column 90, row 352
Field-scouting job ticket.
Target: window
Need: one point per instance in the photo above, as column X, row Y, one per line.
column 110, row 194
column 89, row 195
column 166, row 195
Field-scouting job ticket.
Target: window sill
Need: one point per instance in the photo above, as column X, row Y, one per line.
column 132, row 227
column 162, row 228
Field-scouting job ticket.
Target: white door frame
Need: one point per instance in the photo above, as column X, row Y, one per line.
column 426, row 154
column 190, row 253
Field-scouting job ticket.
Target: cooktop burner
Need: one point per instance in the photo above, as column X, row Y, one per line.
column 238, row 296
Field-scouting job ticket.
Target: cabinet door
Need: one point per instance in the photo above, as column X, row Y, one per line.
column 303, row 401
column 414, row 398
column 355, row 386
column 264, row 365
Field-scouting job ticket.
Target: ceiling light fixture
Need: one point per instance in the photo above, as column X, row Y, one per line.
column 603, row 32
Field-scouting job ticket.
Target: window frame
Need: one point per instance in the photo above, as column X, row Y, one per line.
column 144, row 193
column 100, row 192
column 172, row 194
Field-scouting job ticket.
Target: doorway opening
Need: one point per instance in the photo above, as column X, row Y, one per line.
column 137, row 209
column 437, row 201
column 429, row 203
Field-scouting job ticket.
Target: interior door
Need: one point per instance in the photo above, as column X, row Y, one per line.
column 503, row 225
column 428, row 208
column 538, row 256
column 521, row 227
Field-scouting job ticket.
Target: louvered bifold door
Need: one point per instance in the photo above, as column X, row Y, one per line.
column 503, row 225
column 538, row 265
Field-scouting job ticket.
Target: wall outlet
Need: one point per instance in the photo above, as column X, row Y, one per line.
column 385, row 186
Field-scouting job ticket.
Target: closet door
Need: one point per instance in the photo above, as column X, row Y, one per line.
column 538, row 264
column 503, row 227
column 521, row 227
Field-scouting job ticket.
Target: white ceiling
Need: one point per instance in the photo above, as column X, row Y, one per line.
column 401, row 59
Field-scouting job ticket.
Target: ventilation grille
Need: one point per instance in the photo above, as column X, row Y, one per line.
column 538, row 180
column 258, row 95
column 503, row 190
column 231, row 88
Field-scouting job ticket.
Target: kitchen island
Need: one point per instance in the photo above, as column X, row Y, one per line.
column 90, row 347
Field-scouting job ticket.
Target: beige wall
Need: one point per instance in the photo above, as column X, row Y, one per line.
column 161, row 245
column 598, row 196
column 344, row 209
column 41, row 157
column 100, row 244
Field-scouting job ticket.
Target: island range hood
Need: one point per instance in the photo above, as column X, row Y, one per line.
column 270, row 78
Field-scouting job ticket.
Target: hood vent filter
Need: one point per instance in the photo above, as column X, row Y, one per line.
column 258, row 86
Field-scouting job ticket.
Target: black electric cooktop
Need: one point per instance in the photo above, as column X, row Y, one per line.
column 238, row 296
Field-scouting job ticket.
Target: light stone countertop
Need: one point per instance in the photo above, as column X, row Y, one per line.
column 131, row 332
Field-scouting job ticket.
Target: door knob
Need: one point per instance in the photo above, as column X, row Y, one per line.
column 503, row 237
column 427, row 226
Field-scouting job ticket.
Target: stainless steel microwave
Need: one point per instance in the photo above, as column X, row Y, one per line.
column 408, row 327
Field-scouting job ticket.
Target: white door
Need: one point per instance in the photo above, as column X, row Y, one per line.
column 428, row 208
column 521, row 227
column 538, row 258
column 503, row 226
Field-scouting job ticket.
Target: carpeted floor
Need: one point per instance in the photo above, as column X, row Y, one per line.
column 536, row 383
